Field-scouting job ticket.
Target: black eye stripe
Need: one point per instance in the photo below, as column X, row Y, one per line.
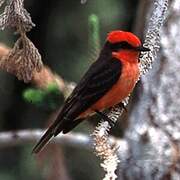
column 121, row 45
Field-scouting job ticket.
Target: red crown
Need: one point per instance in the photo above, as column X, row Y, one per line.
column 119, row 36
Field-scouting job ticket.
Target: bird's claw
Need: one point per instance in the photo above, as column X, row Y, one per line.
column 124, row 107
column 105, row 117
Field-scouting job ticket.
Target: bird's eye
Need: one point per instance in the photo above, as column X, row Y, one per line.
column 121, row 45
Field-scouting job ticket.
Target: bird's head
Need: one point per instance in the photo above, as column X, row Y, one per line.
column 125, row 45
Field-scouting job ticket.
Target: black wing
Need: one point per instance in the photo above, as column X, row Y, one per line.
column 96, row 83
column 98, row 80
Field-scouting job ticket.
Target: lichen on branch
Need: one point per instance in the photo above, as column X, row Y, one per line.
column 24, row 58
column 15, row 15
column 152, row 37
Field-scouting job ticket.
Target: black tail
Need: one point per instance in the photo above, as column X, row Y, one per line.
column 67, row 126
column 48, row 134
column 44, row 139
column 57, row 127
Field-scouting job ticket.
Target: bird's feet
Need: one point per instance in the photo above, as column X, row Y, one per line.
column 105, row 117
column 123, row 106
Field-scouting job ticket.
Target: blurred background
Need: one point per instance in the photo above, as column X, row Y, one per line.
column 61, row 35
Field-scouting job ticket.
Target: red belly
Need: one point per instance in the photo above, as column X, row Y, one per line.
column 119, row 91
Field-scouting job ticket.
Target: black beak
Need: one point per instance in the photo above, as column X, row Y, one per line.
column 141, row 48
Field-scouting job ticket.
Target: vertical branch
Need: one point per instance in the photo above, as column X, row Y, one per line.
column 152, row 40
column 103, row 148
column 152, row 37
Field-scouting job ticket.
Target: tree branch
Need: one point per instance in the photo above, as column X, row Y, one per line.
column 21, row 137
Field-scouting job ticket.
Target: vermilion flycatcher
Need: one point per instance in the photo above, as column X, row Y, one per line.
column 108, row 81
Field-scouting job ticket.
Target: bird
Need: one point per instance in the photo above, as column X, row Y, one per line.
column 107, row 82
